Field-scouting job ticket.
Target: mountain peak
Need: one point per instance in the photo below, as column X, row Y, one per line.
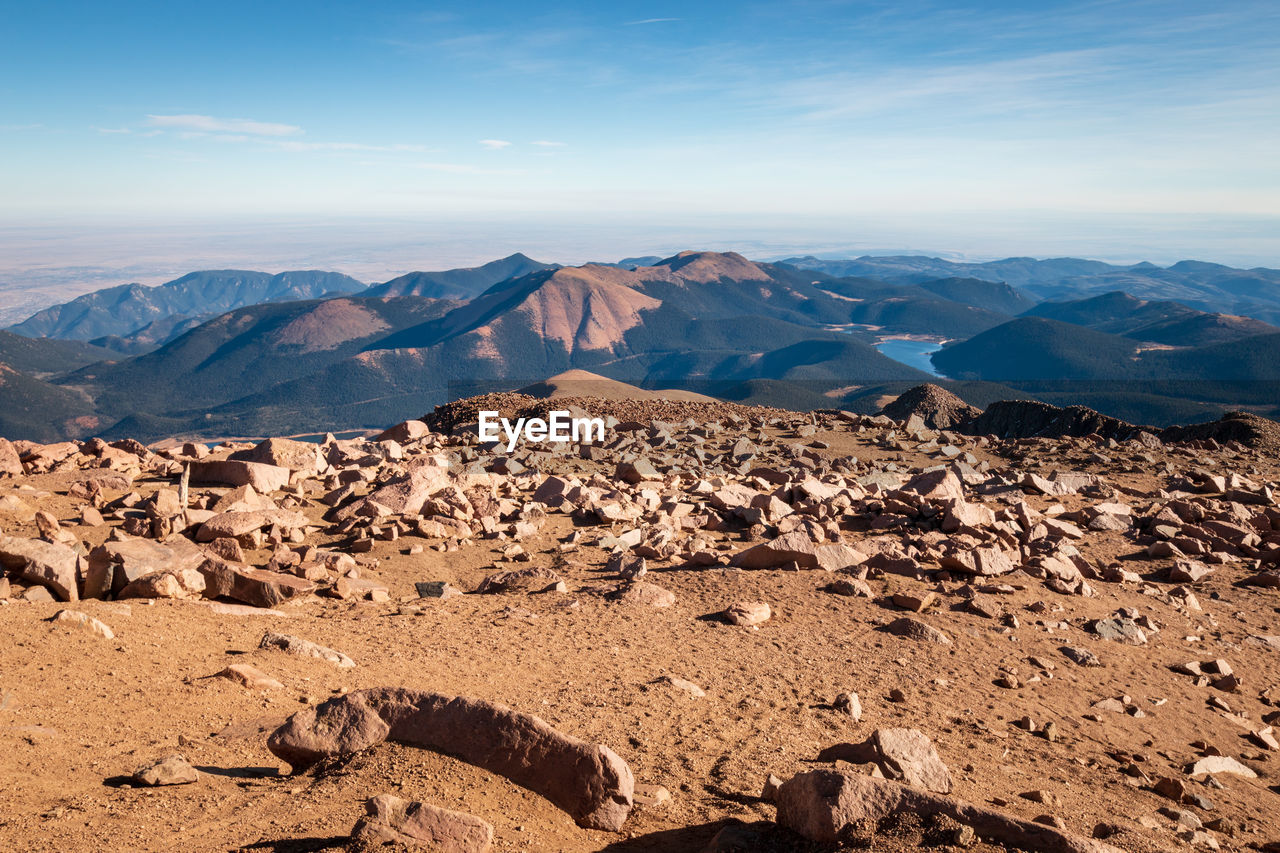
column 706, row 267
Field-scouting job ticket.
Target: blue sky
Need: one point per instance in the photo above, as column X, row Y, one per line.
column 811, row 110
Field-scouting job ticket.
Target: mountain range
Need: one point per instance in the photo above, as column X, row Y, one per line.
column 124, row 310
column 1208, row 287
column 301, row 359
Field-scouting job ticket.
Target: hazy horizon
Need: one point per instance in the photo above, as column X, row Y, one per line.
column 45, row 263
column 825, row 111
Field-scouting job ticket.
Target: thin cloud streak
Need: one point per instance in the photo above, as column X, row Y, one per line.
column 210, row 124
column 495, row 144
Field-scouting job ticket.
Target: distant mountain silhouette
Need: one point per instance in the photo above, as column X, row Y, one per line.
column 1163, row 321
column 460, row 283
column 1208, row 287
column 122, row 311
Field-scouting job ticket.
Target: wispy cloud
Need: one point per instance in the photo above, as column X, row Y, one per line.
column 547, row 143
column 113, row 130
column 263, row 134
column 463, row 169
column 210, row 124
column 652, row 21
column 495, row 144
column 298, row 145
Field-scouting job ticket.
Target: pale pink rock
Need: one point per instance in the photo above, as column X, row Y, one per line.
column 797, row 547
column 115, row 564
column 76, row 619
column 264, row 478
column 285, row 453
column 242, row 525
column 304, row 648
column 986, row 562
column 258, row 587
column 49, row 564
column 172, row 770
column 187, row 583
column 643, row 594
column 404, row 432
column 903, row 754
column 10, row 462
column 250, row 677
column 941, row 484
column 747, row 613
column 405, row 496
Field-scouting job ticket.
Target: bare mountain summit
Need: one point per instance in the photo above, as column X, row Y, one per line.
column 937, row 407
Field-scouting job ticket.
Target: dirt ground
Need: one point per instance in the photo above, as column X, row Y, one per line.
column 79, row 713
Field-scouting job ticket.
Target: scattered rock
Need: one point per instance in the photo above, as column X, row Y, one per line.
column 85, row 621
column 173, row 770
column 304, row 648
column 747, row 613
column 250, row 676
column 917, row 630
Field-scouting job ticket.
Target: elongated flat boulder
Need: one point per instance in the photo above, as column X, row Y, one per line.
column 259, row 587
column 241, row 525
column 822, row 805
column 798, row 548
column 588, row 781
column 284, row 453
column 390, row 819
column 264, row 478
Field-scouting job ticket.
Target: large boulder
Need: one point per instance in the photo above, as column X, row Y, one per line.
column 242, row 526
column 230, row 472
column 824, row 805
column 391, row 820
column 797, row 547
column 285, row 453
column 904, row 754
column 404, row 432
column 46, row 563
column 10, row 461
column 588, row 781
column 115, row 564
column 259, row 587
column 404, row 496
column 940, row 484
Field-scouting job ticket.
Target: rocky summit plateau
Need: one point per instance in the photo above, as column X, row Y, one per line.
column 723, row 628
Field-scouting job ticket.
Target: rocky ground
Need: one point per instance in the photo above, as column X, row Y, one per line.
column 724, row 629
